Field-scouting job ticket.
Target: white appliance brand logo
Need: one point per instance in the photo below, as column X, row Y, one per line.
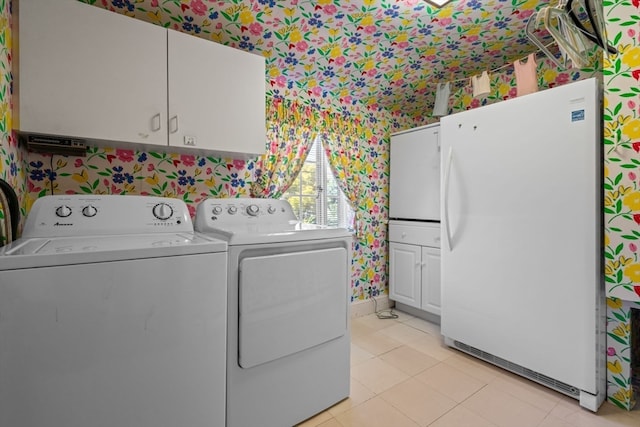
column 63, row 224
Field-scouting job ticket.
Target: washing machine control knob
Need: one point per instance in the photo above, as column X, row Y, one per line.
column 253, row 210
column 232, row 210
column 63, row 211
column 217, row 210
column 271, row 210
column 89, row 211
column 162, row 211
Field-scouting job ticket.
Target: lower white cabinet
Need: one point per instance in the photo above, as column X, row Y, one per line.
column 414, row 264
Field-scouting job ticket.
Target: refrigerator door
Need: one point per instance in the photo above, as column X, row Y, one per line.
column 522, row 230
column 414, row 180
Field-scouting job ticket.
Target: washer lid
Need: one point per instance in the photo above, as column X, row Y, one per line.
column 41, row 252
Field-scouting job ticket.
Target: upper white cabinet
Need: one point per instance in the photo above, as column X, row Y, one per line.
column 86, row 72
column 414, row 174
column 216, row 96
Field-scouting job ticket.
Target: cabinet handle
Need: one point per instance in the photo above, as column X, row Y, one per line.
column 404, row 235
column 418, row 264
column 173, row 120
column 447, row 227
column 155, row 123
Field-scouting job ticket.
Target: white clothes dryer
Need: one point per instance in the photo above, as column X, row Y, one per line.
column 288, row 311
column 112, row 313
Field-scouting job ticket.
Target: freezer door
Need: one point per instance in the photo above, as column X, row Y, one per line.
column 521, row 230
column 414, row 180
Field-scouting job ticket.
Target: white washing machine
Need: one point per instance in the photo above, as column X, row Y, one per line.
column 112, row 313
column 288, row 311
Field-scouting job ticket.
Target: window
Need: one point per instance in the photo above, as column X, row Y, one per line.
column 315, row 195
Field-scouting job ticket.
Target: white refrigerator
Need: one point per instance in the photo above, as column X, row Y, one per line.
column 522, row 285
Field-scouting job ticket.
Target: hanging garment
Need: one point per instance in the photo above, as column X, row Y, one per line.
column 441, row 106
column 481, row 85
column 526, row 76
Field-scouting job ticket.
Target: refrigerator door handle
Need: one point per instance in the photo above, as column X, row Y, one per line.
column 447, row 227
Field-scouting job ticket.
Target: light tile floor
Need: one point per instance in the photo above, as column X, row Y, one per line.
column 403, row 375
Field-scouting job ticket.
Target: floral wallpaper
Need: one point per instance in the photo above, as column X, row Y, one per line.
column 127, row 171
column 622, row 196
column 11, row 156
column 503, row 87
column 194, row 178
column 622, row 145
column 369, row 54
column 623, row 355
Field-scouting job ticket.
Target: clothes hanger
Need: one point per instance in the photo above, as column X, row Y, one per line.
column 596, row 22
column 568, row 37
column 599, row 25
column 569, row 32
column 531, row 35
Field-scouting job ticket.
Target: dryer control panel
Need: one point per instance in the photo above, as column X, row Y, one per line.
column 78, row 214
column 229, row 212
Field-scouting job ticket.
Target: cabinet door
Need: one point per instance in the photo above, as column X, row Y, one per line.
column 216, row 96
column 405, row 273
column 86, row 72
column 431, row 280
column 414, row 180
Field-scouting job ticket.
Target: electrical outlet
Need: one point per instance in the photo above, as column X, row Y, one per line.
column 189, row 140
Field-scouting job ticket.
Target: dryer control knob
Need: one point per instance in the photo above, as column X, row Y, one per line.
column 271, row 210
column 217, row 210
column 63, row 211
column 232, row 210
column 162, row 211
column 89, row 211
column 253, row 210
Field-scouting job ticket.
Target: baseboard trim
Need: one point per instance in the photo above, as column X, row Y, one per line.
column 367, row 306
column 429, row 317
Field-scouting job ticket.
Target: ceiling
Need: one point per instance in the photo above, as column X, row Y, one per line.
column 385, row 54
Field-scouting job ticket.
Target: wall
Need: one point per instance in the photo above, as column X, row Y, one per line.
column 11, row 156
column 192, row 178
column 503, row 87
column 622, row 197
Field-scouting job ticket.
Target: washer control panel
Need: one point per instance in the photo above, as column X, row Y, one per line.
column 74, row 215
column 224, row 212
